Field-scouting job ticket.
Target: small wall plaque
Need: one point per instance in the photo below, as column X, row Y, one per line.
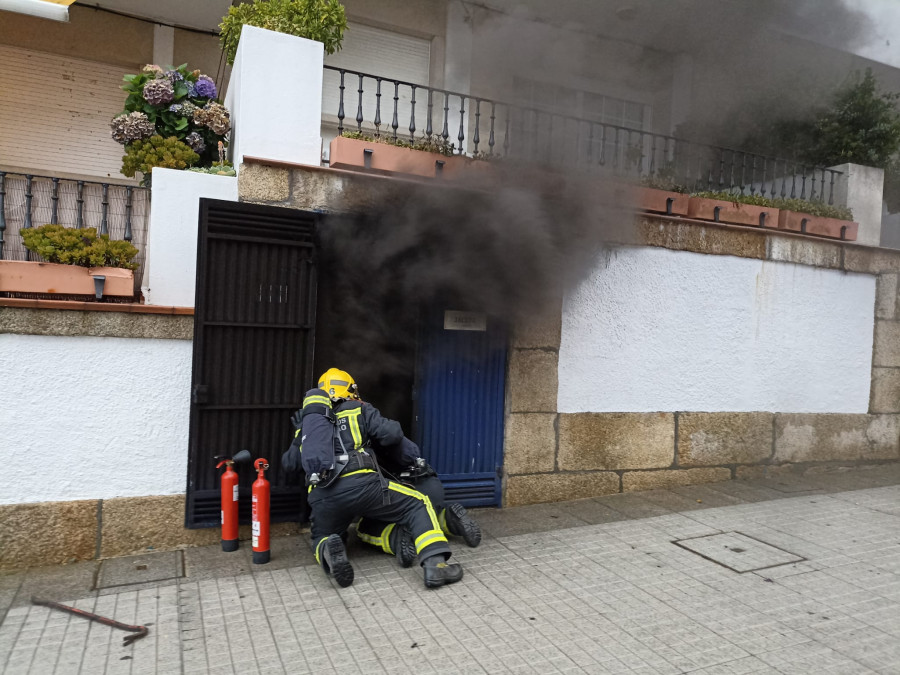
column 454, row 320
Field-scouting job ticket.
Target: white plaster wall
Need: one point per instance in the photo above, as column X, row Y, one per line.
column 92, row 417
column 658, row 330
column 170, row 276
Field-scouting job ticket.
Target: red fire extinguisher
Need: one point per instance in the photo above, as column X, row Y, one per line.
column 229, row 496
column 261, row 513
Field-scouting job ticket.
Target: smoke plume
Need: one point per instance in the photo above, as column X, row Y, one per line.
column 512, row 250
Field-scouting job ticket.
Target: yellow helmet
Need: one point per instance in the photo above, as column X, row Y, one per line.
column 338, row 384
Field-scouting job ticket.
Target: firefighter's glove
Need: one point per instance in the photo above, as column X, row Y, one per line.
column 297, row 419
column 290, row 460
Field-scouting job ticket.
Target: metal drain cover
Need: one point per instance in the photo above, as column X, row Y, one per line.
column 738, row 552
column 136, row 569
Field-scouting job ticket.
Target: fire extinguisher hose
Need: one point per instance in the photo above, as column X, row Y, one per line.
column 139, row 631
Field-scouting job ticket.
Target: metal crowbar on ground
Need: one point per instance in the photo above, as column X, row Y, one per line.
column 140, row 631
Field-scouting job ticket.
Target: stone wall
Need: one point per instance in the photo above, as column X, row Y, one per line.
column 55, row 533
column 552, row 456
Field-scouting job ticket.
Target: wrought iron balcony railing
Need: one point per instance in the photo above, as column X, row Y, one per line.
column 486, row 128
column 26, row 200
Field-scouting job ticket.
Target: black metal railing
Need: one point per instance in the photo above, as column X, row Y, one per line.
column 28, row 200
column 485, row 128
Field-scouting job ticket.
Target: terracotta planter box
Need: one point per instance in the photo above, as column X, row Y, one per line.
column 18, row 276
column 659, row 201
column 721, row 211
column 460, row 167
column 823, row 227
column 356, row 155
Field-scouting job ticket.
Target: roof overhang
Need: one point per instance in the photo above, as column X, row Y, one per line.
column 57, row 10
column 203, row 15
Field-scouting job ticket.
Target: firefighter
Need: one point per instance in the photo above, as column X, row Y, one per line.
column 333, row 444
column 404, row 463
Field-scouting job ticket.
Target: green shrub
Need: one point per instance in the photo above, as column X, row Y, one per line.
column 224, row 169
column 168, row 153
column 812, row 208
column 321, row 20
column 84, row 247
column 434, row 143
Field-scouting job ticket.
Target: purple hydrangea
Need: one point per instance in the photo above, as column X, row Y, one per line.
column 176, row 108
column 205, row 87
column 157, row 92
column 195, row 141
column 174, row 76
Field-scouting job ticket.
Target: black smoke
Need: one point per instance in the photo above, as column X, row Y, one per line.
column 513, row 248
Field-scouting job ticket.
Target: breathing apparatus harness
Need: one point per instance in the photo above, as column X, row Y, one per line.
column 363, row 457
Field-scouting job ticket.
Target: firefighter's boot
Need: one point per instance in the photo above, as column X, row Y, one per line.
column 403, row 546
column 461, row 524
column 438, row 572
column 335, row 561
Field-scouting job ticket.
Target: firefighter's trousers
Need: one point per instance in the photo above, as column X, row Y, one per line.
column 378, row 531
column 365, row 493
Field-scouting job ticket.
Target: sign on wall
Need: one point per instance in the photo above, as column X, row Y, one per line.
column 454, row 320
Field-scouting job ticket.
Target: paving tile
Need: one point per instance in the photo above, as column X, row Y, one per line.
column 589, row 586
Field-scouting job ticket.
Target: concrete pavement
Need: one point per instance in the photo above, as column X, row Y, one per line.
column 791, row 575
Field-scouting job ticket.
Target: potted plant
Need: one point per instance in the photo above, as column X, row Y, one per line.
column 660, row 192
column 320, row 20
column 384, row 154
column 77, row 262
column 725, row 207
column 817, row 218
column 171, row 119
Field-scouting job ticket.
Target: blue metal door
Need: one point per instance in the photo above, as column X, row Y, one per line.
column 460, row 402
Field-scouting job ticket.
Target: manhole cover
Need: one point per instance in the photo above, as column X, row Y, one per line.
column 137, row 569
column 738, row 552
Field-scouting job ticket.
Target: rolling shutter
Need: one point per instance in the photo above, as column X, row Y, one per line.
column 375, row 51
column 55, row 113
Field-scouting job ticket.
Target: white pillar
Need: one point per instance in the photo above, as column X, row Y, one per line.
column 171, row 274
column 682, row 90
column 275, row 97
column 458, row 65
column 458, row 48
column 861, row 188
column 164, row 46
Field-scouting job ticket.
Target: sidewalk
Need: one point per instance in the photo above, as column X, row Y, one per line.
column 804, row 577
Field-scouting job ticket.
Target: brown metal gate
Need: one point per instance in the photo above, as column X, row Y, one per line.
column 254, row 330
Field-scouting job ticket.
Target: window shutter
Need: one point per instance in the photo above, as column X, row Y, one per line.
column 55, row 113
column 375, row 51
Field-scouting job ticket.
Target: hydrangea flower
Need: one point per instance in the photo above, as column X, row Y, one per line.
column 205, row 87
column 195, row 142
column 150, row 69
column 157, row 92
column 176, row 107
column 215, row 116
column 131, row 127
column 174, row 76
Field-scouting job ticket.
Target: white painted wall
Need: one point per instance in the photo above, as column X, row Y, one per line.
column 275, row 98
column 659, row 330
column 93, row 417
column 170, row 273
